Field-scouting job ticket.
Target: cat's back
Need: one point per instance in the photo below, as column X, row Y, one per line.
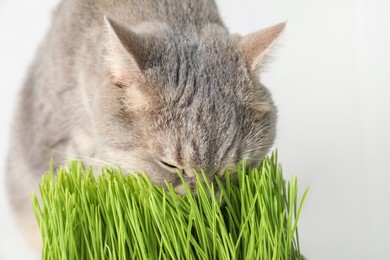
column 177, row 13
column 78, row 25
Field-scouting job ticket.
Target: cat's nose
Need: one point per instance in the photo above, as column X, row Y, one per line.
column 189, row 173
column 190, row 177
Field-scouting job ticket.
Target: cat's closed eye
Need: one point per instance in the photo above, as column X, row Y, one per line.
column 175, row 169
column 168, row 165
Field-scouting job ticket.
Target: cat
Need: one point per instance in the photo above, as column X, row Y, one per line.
column 152, row 85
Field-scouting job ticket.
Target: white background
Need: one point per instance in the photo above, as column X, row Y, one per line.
column 331, row 81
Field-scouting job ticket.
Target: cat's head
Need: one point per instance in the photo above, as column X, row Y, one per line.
column 178, row 100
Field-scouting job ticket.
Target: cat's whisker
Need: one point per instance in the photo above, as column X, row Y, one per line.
column 257, row 149
column 85, row 159
column 260, row 131
column 92, row 160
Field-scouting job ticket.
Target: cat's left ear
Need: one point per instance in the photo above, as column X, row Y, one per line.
column 126, row 57
column 256, row 46
column 126, row 49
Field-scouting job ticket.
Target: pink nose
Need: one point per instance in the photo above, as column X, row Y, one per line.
column 190, row 179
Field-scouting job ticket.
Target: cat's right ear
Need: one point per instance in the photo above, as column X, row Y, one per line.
column 256, row 46
column 126, row 51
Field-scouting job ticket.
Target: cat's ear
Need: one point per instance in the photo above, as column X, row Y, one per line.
column 126, row 49
column 255, row 46
column 126, row 52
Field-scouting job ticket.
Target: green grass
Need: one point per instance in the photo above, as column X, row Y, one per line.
column 116, row 216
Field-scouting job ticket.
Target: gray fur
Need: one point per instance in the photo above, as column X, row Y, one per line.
column 202, row 105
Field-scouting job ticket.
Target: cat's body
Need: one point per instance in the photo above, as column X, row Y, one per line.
column 155, row 86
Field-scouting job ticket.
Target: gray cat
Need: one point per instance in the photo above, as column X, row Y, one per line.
column 156, row 85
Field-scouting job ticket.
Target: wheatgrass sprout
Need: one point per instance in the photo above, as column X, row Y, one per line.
column 118, row 216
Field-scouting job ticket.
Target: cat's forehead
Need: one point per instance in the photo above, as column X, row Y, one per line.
column 196, row 49
column 200, row 62
column 200, row 78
